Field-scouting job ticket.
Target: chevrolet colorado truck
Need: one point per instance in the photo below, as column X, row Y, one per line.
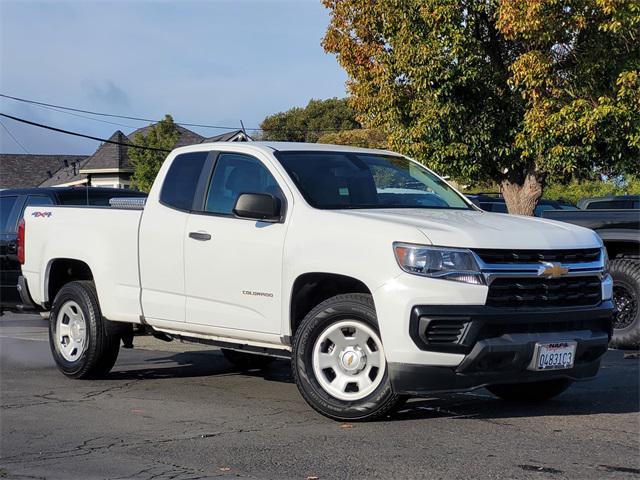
column 372, row 274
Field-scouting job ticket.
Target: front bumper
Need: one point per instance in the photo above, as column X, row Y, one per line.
column 499, row 345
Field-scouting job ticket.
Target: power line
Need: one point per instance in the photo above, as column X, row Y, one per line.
column 68, row 132
column 140, row 119
column 149, row 120
column 88, row 118
column 14, row 138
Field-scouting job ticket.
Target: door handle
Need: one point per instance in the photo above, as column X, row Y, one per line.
column 202, row 236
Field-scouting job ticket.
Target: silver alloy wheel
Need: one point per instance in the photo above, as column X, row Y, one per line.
column 348, row 360
column 71, row 331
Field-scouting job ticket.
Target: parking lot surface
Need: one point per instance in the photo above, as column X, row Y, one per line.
column 167, row 413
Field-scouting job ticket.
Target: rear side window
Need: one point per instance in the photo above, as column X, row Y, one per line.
column 35, row 200
column 609, row 204
column 179, row 188
column 6, row 207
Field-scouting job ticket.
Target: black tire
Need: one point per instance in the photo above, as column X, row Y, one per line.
column 246, row 361
column 102, row 346
column 626, row 298
column 534, row 392
column 358, row 307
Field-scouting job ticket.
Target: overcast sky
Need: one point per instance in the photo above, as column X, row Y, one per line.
column 212, row 62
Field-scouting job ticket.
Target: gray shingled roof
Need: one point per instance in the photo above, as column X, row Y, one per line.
column 187, row 137
column 67, row 174
column 109, row 155
column 232, row 136
column 24, row 170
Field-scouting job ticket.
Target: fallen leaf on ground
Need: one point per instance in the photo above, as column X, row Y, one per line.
column 346, row 425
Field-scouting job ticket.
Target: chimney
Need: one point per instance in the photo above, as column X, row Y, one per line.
column 49, row 174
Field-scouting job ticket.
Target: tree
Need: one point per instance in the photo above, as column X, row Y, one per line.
column 511, row 91
column 309, row 123
column 147, row 163
column 359, row 137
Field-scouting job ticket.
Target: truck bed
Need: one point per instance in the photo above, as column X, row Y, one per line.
column 92, row 235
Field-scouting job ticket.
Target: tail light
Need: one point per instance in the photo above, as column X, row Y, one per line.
column 20, row 248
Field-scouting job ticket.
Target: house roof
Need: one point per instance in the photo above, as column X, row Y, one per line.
column 110, row 156
column 116, row 157
column 187, row 137
column 67, row 175
column 232, row 136
column 25, row 170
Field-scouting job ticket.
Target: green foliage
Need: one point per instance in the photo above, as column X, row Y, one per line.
column 147, row 163
column 309, row 123
column 505, row 91
column 359, row 137
column 579, row 189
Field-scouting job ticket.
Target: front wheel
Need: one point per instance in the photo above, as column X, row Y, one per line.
column 530, row 392
column 338, row 360
column 80, row 342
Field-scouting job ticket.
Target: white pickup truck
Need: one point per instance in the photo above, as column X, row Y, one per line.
column 378, row 279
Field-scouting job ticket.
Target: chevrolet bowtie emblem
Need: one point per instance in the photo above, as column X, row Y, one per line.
column 552, row 270
column 350, row 361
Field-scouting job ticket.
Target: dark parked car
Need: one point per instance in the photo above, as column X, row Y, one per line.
column 494, row 202
column 620, row 233
column 622, row 202
column 12, row 205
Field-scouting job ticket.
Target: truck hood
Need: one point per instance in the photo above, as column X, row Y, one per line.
column 478, row 229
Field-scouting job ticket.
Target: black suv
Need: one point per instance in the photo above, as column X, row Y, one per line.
column 12, row 205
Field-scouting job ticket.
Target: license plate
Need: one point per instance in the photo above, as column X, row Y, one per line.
column 553, row 356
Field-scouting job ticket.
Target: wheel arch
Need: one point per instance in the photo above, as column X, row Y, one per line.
column 620, row 244
column 311, row 288
column 61, row 271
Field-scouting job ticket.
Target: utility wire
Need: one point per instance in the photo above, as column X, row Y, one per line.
column 140, row 119
column 88, row 118
column 68, row 132
column 14, row 138
column 149, row 120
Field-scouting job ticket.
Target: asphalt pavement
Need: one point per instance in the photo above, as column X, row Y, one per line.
column 180, row 411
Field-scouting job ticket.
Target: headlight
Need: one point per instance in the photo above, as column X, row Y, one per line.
column 438, row 262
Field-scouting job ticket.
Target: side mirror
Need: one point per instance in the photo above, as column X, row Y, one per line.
column 258, row 206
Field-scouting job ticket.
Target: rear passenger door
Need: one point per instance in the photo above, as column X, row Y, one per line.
column 233, row 266
column 162, row 239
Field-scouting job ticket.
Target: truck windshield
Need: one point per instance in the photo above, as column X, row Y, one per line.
column 342, row 180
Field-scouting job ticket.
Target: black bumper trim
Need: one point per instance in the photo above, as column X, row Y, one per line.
column 498, row 361
column 25, row 296
column 480, row 321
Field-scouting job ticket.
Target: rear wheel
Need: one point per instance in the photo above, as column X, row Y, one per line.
column 246, row 361
column 338, row 360
column 626, row 298
column 530, row 392
column 80, row 342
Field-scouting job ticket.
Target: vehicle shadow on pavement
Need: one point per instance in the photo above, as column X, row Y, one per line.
column 197, row 364
column 615, row 390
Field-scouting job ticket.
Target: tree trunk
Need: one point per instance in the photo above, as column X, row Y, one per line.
column 522, row 194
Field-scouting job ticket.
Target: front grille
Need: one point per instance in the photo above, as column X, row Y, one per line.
column 535, row 256
column 544, row 292
column 439, row 332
